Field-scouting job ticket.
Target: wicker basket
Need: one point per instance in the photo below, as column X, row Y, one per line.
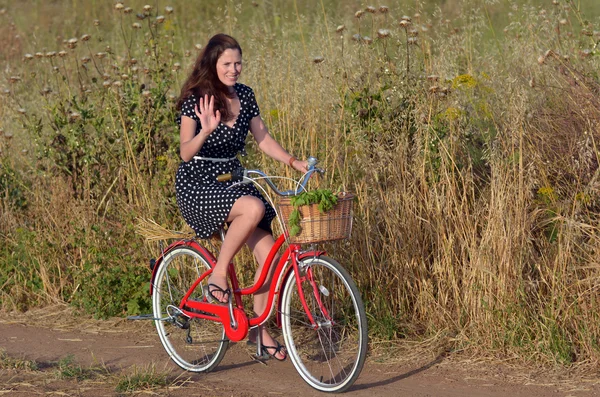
column 316, row 226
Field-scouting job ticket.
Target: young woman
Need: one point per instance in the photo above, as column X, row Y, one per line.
column 216, row 114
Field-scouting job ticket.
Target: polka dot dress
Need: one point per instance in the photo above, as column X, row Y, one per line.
column 203, row 201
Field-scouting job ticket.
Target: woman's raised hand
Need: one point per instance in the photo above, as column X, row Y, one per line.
column 209, row 118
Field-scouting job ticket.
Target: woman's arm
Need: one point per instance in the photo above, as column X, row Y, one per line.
column 189, row 142
column 271, row 147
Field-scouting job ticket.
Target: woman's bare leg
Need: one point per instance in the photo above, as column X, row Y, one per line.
column 244, row 216
column 261, row 242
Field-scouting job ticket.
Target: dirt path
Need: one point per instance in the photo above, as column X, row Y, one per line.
column 112, row 353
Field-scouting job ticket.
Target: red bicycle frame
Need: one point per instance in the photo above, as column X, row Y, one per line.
column 236, row 323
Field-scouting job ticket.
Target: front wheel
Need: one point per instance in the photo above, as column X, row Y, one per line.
column 330, row 351
column 195, row 344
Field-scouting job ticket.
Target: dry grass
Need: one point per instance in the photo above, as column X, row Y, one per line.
column 475, row 163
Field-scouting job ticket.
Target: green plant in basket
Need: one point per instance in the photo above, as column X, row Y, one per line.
column 325, row 199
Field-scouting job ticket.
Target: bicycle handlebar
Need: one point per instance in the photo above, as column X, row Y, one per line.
column 241, row 175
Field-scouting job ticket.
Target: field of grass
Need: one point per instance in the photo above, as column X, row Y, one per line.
column 469, row 132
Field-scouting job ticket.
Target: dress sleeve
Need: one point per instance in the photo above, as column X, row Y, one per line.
column 187, row 109
column 253, row 109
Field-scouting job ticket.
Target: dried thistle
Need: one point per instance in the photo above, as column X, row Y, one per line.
column 318, row 59
column 136, row 25
column 72, row 43
column 169, row 9
column 128, row 10
column 85, row 37
column 340, row 28
column 119, row 6
column 74, row 116
column 371, row 9
column 28, row 57
column 384, row 9
column 160, row 19
column 383, row 33
column 358, row 14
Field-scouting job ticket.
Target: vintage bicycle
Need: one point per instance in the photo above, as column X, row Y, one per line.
column 318, row 305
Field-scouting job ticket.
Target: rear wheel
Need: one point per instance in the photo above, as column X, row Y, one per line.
column 330, row 354
column 195, row 344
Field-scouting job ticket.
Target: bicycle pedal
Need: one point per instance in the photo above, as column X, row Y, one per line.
column 263, row 358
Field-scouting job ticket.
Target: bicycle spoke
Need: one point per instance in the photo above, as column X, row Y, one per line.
column 329, row 354
column 195, row 344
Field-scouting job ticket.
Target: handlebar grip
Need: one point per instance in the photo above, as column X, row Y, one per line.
column 224, row 177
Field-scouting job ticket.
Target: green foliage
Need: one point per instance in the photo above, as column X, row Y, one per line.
column 7, row 362
column 325, row 199
column 141, row 380
column 13, row 186
column 19, row 274
column 67, row 368
column 111, row 286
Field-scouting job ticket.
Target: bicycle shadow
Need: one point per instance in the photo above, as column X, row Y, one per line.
column 400, row 377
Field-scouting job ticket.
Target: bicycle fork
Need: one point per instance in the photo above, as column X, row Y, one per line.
column 304, row 273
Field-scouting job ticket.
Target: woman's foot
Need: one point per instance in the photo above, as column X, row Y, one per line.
column 270, row 346
column 217, row 289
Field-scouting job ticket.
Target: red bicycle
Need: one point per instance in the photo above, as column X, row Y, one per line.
column 319, row 308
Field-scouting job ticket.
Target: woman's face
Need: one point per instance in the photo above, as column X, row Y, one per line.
column 229, row 66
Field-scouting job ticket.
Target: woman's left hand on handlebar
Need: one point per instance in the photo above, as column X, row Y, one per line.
column 300, row 165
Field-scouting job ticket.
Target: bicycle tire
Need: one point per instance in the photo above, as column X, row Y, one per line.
column 196, row 345
column 331, row 357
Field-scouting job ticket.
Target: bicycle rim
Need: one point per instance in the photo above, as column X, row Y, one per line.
column 195, row 344
column 330, row 356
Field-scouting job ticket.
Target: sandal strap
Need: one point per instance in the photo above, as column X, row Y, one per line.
column 278, row 348
column 218, row 289
column 226, row 292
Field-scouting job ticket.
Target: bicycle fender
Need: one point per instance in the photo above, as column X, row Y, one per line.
column 190, row 243
column 307, row 254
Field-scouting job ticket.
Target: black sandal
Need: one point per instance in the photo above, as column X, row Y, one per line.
column 278, row 349
column 213, row 299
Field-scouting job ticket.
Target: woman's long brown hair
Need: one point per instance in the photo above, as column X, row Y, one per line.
column 204, row 79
